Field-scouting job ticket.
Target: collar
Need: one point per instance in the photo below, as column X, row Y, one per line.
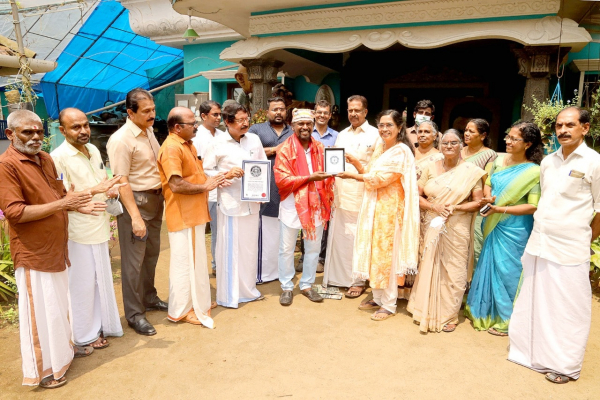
column 72, row 150
column 327, row 132
column 133, row 128
column 580, row 151
column 230, row 138
column 361, row 127
column 177, row 138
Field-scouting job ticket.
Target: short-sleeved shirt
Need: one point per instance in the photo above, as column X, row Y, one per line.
column 570, row 196
column 222, row 155
column 360, row 143
column 177, row 157
column 39, row 245
column 269, row 138
column 133, row 153
column 202, row 140
column 84, row 173
column 328, row 139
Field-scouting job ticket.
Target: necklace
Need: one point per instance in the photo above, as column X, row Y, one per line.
column 448, row 169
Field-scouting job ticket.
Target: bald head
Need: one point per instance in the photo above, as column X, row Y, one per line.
column 75, row 127
column 182, row 122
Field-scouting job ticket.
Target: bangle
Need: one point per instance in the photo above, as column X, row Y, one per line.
column 505, row 210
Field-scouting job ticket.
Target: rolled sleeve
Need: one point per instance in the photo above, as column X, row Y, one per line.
column 119, row 155
column 12, row 201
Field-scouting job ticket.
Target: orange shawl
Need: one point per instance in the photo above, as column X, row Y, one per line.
column 291, row 176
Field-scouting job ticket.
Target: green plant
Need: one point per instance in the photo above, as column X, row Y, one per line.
column 544, row 116
column 594, row 109
column 47, row 144
column 595, row 265
column 9, row 314
column 8, row 284
column 259, row 117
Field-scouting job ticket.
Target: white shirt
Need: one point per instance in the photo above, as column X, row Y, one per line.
column 204, row 138
column 360, row 143
column 570, row 196
column 287, row 208
column 225, row 153
column 84, row 173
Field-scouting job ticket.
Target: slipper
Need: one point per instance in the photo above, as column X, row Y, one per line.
column 83, row 351
column 448, row 330
column 369, row 305
column 386, row 314
column 44, row 384
column 552, row 377
column 359, row 289
column 103, row 344
column 191, row 318
column 494, row 332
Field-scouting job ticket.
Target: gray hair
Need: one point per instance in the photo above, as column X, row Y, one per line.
column 19, row 117
column 454, row 132
column 433, row 125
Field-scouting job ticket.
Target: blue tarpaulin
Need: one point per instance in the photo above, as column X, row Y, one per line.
column 105, row 60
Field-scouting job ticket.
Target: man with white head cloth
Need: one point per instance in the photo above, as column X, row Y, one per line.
column 35, row 204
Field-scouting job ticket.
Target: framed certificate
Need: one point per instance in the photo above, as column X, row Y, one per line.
column 335, row 160
column 256, row 182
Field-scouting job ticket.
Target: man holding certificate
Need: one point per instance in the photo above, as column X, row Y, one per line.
column 238, row 207
column 306, row 196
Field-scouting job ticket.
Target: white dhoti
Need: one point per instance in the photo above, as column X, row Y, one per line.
column 268, row 249
column 189, row 286
column 237, row 259
column 551, row 320
column 44, row 324
column 340, row 247
column 92, row 294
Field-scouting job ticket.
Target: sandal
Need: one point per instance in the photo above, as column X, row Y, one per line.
column 557, row 378
column 101, row 343
column 369, row 305
column 447, row 329
column 357, row 290
column 191, row 318
column 382, row 314
column 46, row 383
column 494, row 332
column 82, row 351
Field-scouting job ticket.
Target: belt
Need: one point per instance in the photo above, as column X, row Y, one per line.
column 152, row 191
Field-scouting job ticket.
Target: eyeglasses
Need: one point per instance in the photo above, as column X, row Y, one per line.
column 240, row 120
column 215, row 115
column 188, row 123
column 278, row 109
column 512, row 139
column 322, row 113
column 388, row 126
column 454, row 143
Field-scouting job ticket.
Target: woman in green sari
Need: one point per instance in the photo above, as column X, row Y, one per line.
column 477, row 151
column 512, row 191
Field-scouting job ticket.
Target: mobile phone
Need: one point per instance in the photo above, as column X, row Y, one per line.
column 485, row 209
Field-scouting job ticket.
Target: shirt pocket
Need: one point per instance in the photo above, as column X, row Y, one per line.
column 570, row 186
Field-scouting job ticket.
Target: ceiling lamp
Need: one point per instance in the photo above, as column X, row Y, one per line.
column 190, row 34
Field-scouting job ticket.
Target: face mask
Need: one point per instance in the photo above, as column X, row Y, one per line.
column 114, row 206
column 420, row 118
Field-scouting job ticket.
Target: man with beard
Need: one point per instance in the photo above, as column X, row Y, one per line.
column 133, row 152
column 307, row 194
column 185, row 187
column 35, row 203
column 272, row 134
column 94, row 312
column 359, row 140
column 551, row 320
column 210, row 112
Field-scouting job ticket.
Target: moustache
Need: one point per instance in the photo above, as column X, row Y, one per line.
column 32, row 142
column 564, row 136
column 150, row 119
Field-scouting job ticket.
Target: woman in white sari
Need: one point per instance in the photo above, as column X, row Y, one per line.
column 451, row 190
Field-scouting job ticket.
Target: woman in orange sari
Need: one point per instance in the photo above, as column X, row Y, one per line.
column 387, row 236
column 450, row 192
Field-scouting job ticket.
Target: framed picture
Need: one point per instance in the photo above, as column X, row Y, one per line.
column 256, row 182
column 335, row 160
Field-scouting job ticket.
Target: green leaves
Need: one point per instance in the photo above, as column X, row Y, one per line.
column 8, row 284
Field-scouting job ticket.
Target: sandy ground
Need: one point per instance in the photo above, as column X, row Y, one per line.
column 322, row 351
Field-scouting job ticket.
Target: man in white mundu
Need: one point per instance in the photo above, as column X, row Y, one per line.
column 551, row 320
column 358, row 140
column 94, row 312
column 237, row 242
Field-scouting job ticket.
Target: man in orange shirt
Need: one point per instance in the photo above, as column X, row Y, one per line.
column 185, row 187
